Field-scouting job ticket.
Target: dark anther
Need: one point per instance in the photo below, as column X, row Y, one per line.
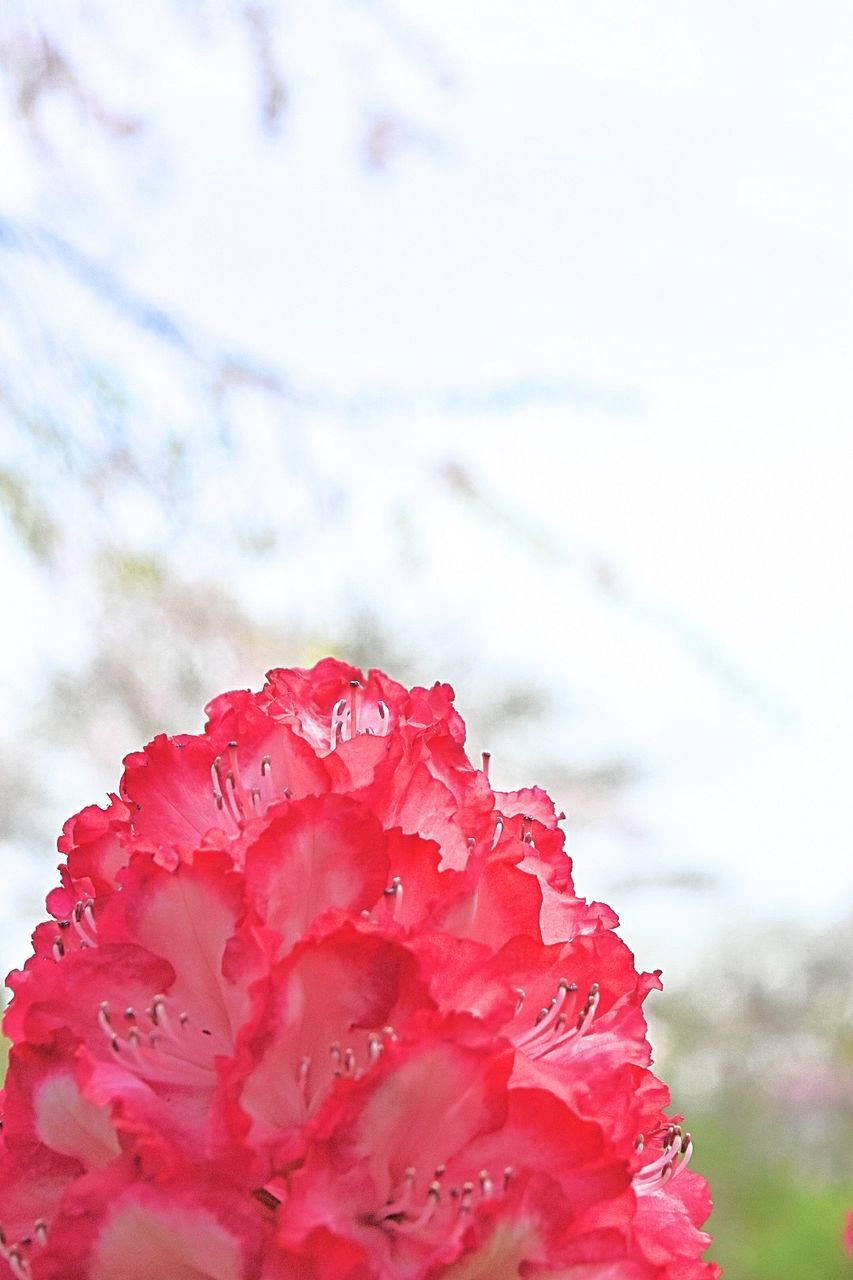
column 266, row 1198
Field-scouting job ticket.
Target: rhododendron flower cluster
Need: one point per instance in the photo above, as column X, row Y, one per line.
column 316, row 1002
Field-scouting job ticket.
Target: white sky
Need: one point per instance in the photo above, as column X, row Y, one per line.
column 649, row 204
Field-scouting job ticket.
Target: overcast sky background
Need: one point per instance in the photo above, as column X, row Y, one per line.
column 605, row 278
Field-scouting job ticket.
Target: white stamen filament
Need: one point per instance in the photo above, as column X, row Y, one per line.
column 166, row 1054
column 655, row 1166
column 352, row 714
column 686, row 1153
column 576, row 1032
column 340, row 712
column 430, row 1205
column 401, row 1198
column 302, row 1078
column 394, row 895
column 18, row 1264
column 222, row 794
column 548, row 1016
column 81, row 916
column 234, row 797
column 404, row 1213
column 674, row 1157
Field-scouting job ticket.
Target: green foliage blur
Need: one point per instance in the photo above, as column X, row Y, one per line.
column 758, row 1049
column 769, row 1219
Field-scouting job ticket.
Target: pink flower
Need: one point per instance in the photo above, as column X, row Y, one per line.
column 316, row 1003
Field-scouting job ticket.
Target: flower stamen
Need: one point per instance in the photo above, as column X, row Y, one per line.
column 401, row 1198
column 223, row 794
column 549, row 1032
column 18, row 1264
column 352, row 715
column 83, row 923
column 673, row 1159
column 548, row 1016
column 165, row 1054
column 394, row 895
column 433, row 1198
column 14, row 1254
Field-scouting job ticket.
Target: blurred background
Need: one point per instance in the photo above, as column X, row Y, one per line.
column 507, row 345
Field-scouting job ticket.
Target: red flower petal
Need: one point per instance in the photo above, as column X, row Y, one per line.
column 315, row 1003
column 321, row 852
